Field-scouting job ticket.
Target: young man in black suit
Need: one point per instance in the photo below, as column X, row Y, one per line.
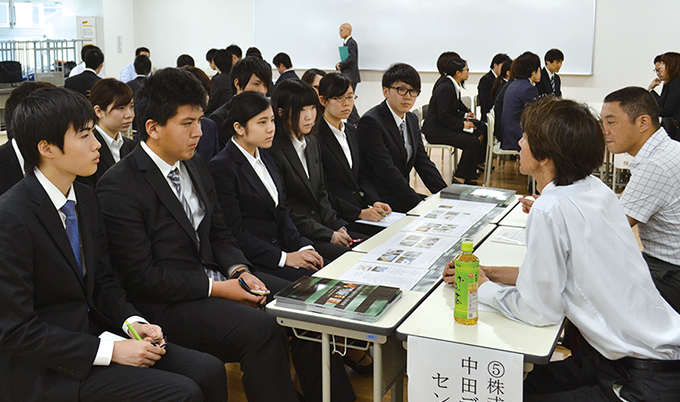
column 485, row 85
column 391, row 143
column 83, row 82
column 284, row 66
column 58, row 289
column 142, row 69
column 220, row 84
column 11, row 160
column 176, row 257
column 551, row 83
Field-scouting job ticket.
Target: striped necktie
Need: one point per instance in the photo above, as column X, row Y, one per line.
column 552, row 83
column 69, row 209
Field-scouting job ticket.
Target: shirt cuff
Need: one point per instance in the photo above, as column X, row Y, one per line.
column 210, row 281
column 132, row 319
column 487, row 292
column 104, row 353
column 310, row 247
column 230, row 270
column 282, row 260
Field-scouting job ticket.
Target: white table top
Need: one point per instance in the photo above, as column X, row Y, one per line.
column 504, row 254
column 434, row 200
column 516, row 217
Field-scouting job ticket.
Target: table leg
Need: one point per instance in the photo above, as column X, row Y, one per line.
column 398, row 389
column 325, row 367
column 377, row 372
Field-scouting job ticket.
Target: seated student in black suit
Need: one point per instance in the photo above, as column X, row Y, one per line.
column 669, row 100
column 498, row 94
column 250, row 192
column 249, row 74
column 284, row 66
column 550, row 83
column 526, row 70
column 351, row 194
column 391, row 144
column 174, row 253
column 313, row 77
column 485, row 98
column 448, row 121
column 209, row 144
column 11, row 160
column 298, row 157
column 221, row 90
column 83, row 82
column 236, row 53
column 142, row 69
column 58, row 289
column 112, row 102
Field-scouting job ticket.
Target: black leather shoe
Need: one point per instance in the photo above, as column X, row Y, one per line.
column 357, row 367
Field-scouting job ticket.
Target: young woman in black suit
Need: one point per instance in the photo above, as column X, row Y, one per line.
column 298, row 157
column 351, row 195
column 669, row 100
column 251, row 195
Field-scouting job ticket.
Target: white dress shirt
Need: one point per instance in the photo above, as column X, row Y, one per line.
column 341, row 136
column 583, row 261
column 113, row 145
column 128, row 74
column 20, row 157
column 105, row 349
column 299, row 147
column 80, row 68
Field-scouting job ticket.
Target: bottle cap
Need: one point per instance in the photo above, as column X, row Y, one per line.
column 467, row 246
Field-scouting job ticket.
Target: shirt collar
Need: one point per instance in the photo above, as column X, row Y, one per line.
column 549, row 73
column 648, row 147
column 494, row 73
column 251, row 159
column 398, row 120
column 58, row 199
column 20, row 157
column 89, row 69
column 108, row 138
column 297, row 144
column 162, row 165
column 335, row 130
column 455, row 84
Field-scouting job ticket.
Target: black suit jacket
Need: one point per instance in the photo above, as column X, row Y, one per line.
column 307, row 198
column 219, row 116
column 262, row 229
column 384, row 155
column 10, row 171
column 137, row 83
column 445, row 113
column 517, row 95
column 348, row 188
column 669, row 100
column 51, row 314
column 209, row 144
column 544, row 87
column 82, row 82
column 106, row 158
column 220, row 92
column 350, row 66
column 152, row 243
column 287, row 75
column 484, row 98
column 498, row 109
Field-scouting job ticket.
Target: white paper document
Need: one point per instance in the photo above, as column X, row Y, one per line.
column 386, row 275
column 416, row 241
column 430, row 227
column 466, row 206
column 387, row 221
column 401, row 256
column 509, row 235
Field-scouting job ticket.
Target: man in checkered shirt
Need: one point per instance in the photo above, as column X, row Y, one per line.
column 651, row 200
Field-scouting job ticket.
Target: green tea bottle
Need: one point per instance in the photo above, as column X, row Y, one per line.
column 467, row 276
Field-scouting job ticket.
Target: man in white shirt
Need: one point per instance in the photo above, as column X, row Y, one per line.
column 128, row 74
column 651, row 199
column 583, row 262
column 58, row 290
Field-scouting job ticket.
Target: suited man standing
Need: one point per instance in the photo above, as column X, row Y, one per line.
column 83, row 82
column 391, row 143
column 58, row 289
column 11, row 160
column 350, row 66
column 551, row 83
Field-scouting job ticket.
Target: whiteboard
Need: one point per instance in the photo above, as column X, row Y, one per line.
column 418, row 31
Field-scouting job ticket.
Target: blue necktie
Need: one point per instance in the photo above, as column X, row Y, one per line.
column 69, row 209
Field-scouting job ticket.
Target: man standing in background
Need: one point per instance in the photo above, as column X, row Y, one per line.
column 350, row 66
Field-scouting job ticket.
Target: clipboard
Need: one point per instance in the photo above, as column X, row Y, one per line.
column 344, row 52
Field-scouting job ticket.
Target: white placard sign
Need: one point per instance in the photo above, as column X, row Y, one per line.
column 452, row 372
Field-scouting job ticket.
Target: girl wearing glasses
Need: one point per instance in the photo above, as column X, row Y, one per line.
column 351, row 195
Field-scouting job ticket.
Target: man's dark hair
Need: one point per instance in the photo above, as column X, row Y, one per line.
column 333, row 85
column 311, row 74
column 94, row 58
column 210, row 55
column 18, row 94
column 235, row 50
column 244, row 70
column 401, row 72
column 657, row 59
column 244, row 107
column 499, row 59
column 139, row 51
column 254, row 52
column 201, row 76
column 110, row 92
column 282, row 58
column 635, row 102
column 443, row 59
column 164, row 92
column 567, row 133
column 185, row 60
column 291, row 96
column 142, row 65
column 85, row 49
column 553, row 55
column 46, row 115
column 223, row 60
column 525, row 65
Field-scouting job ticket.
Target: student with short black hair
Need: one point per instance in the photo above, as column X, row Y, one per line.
column 221, row 91
column 81, row 66
column 284, row 66
column 142, row 69
column 185, row 60
column 83, row 82
column 551, row 83
column 128, row 74
column 58, row 288
column 526, row 70
column 484, row 97
column 236, row 53
column 391, row 144
column 209, row 56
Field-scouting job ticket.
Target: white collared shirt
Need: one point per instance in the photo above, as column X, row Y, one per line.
column 80, row 68
column 105, row 349
column 114, row 145
column 398, row 120
column 456, row 86
column 262, row 172
column 341, row 136
column 299, row 147
column 20, row 157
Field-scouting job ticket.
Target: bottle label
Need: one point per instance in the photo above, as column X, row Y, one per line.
column 467, row 276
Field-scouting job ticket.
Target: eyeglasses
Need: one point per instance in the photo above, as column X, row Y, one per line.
column 656, row 70
column 342, row 99
column 402, row 91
